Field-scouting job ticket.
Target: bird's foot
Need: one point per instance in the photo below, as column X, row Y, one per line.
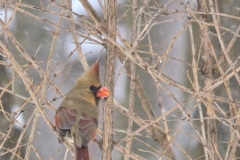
column 114, row 143
column 61, row 140
column 100, row 144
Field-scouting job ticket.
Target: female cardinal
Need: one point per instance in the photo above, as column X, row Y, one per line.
column 78, row 113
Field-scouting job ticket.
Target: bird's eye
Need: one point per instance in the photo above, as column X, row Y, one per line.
column 91, row 88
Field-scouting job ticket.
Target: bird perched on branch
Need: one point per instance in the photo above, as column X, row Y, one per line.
column 77, row 116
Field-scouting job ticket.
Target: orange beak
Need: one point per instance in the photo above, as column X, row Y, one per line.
column 103, row 92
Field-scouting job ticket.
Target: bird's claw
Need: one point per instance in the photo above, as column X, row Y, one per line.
column 60, row 140
column 114, row 143
column 100, row 144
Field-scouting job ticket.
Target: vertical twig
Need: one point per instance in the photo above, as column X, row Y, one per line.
column 132, row 83
column 5, row 21
column 197, row 88
column 32, row 133
column 207, row 70
column 109, row 83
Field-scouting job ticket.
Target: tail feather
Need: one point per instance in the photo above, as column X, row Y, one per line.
column 81, row 153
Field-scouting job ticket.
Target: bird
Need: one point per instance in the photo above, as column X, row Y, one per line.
column 77, row 115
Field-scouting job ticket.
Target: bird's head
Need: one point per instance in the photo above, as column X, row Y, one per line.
column 90, row 83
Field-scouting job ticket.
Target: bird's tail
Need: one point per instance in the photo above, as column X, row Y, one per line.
column 81, row 153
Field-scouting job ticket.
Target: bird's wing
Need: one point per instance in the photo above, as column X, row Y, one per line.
column 87, row 127
column 65, row 118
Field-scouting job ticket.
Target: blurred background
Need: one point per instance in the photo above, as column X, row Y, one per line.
column 192, row 87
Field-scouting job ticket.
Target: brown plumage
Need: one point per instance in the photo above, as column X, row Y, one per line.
column 77, row 115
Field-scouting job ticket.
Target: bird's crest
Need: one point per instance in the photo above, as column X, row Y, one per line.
column 91, row 76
